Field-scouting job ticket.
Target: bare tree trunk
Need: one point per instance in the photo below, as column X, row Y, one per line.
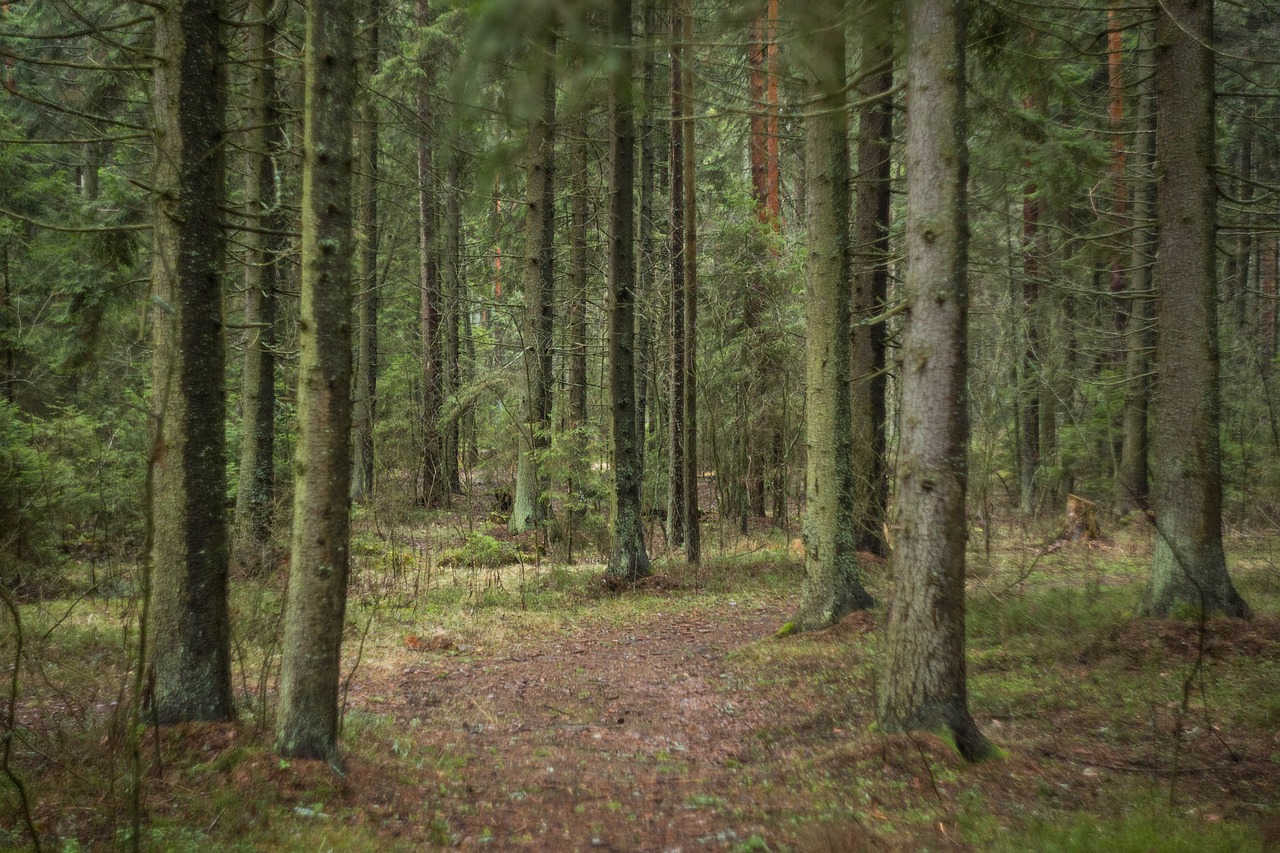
column 871, row 286
column 923, row 685
column 255, row 497
column 692, row 528
column 628, row 560
column 1188, row 570
column 832, row 583
column 366, row 396
column 453, row 303
column 189, row 623
column 434, row 489
column 307, row 726
column 675, row 479
column 530, row 505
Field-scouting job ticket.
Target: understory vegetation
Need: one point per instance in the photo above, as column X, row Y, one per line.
column 497, row 694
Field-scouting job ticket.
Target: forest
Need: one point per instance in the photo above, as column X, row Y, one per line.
column 654, row 425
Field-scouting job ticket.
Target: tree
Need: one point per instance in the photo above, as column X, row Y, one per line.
column 255, row 498
column 676, row 299
column 871, row 283
column 923, row 685
column 692, row 529
column 434, row 485
column 530, row 505
column 307, row 726
column 1188, row 570
column 832, row 583
column 189, row 625
column 628, row 560
column 366, row 390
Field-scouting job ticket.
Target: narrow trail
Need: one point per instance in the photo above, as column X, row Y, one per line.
column 624, row 739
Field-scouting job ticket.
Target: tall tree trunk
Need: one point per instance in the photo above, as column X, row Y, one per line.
column 434, row 487
column 832, row 583
column 255, row 497
column 628, row 560
column 1120, row 252
column 366, row 396
column 692, row 529
column 577, row 316
column 1029, row 381
column 530, row 505
column 647, row 271
column 189, row 624
column 1134, row 448
column 923, row 685
column 307, row 726
column 1188, row 571
column 453, row 316
column 676, row 300
column 871, row 285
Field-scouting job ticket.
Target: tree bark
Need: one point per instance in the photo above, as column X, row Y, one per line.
column 832, row 583
column 692, row 528
column 675, row 479
column 255, row 497
column 923, row 685
column 1133, row 481
column 628, row 560
column 189, row 623
column 530, row 506
column 366, row 396
column 434, row 488
column 1188, row 571
column 307, row 726
column 871, row 285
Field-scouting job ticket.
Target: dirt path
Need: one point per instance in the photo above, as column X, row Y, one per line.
column 610, row 740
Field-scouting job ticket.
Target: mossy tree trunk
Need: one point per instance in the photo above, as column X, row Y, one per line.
column 307, row 725
column 871, row 283
column 923, row 683
column 1188, row 571
column 628, row 560
column 530, row 505
column 189, row 623
column 255, row 498
column 832, row 583
column 366, row 391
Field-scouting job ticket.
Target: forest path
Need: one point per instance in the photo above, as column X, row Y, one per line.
column 623, row 738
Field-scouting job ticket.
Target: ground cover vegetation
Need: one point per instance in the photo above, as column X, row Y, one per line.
column 673, row 424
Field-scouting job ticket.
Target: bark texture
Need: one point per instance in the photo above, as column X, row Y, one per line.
column 923, row 685
column 435, row 491
column 871, row 285
column 832, row 583
column 692, row 529
column 366, row 396
column 189, row 624
column 530, row 506
column 307, row 726
column 628, row 560
column 1188, row 571
column 676, row 299
column 255, row 497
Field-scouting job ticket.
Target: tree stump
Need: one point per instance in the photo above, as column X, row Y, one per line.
column 1082, row 519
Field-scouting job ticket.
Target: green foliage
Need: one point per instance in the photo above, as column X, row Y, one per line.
column 483, row 552
column 1140, row 831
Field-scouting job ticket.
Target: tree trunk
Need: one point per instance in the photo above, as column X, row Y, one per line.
column 628, row 560
column 871, row 287
column 923, row 685
column 189, row 624
column 530, row 506
column 692, row 528
column 434, row 490
column 577, row 311
column 647, row 271
column 676, row 419
column 307, row 726
column 1029, row 383
column 1188, row 571
column 1134, row 448
column 366, row 396
column 832, row 584
column 453, row 302
column 255, row 497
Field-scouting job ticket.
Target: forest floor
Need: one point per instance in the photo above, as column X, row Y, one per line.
column 526, row 707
